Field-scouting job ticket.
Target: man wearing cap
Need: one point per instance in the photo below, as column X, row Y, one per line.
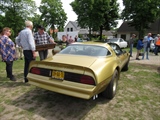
column 26, row 40
column 131, row 42
column 41, row 38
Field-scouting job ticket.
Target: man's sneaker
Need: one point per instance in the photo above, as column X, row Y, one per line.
column 25, row 80
column 13, row 78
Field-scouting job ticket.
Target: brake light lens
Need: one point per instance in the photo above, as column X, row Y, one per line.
column 87, row 80
column 35, row 71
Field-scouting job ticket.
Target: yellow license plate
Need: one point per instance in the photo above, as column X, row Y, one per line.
column 58, row 74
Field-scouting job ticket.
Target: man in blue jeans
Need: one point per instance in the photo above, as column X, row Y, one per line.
column 146, row 45
column 131, row 43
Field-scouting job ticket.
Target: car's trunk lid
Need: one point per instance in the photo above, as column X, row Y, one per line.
column 84, row 61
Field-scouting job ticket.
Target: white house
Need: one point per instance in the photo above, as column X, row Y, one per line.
column 72, row 26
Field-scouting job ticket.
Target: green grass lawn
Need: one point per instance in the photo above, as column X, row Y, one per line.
column 138, row 97
column 127, row 49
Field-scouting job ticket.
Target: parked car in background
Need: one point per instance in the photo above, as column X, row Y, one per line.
column 119, row 41
column 82, row 69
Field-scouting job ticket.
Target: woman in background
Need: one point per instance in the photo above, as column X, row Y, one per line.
column 8, row 52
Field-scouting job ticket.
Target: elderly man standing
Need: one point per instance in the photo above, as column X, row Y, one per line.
column 26, row 40
column 146, row 45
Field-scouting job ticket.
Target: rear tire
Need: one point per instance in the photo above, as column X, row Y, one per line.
column 126, row 66
column 111, row 89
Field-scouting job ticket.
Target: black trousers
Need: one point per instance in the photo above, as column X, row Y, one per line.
column 157, row 48
column 28, row 57
column 9, row 65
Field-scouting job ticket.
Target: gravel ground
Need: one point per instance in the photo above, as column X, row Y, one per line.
column 153, row 60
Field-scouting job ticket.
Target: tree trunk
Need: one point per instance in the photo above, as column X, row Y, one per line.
column 100, row 33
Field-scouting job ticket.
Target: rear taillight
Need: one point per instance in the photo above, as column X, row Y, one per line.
column 84, row 79
column 87, row 80
column 35, row 71
column 40, row 71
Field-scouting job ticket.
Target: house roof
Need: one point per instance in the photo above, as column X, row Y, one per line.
column 126, row 28
column 74, row 23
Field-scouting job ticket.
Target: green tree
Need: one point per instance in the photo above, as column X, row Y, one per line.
column 15, row 12
column 1, row 22
column 36, row 21
column 53, row 14
column 141, row 13
column 96, row 14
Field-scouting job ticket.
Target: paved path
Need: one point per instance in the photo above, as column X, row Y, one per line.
column 153, row 60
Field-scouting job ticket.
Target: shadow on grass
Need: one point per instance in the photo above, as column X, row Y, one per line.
column 158, row 70
column 50, row 105
column 6, row 82
column 11, row 84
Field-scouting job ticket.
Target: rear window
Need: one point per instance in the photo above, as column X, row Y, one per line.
column 88, row 50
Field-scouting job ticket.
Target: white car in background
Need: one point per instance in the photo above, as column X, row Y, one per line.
column 119, row 41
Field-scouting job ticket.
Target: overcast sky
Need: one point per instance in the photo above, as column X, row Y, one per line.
column 70, row 13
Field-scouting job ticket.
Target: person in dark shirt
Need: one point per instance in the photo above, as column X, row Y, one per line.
column 131, row 43
column 64, row 43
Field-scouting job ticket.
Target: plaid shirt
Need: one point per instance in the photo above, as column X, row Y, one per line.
column 42, row 39
column 7, row 49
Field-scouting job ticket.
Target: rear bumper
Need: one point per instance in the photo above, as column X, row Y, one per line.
column 61, row 86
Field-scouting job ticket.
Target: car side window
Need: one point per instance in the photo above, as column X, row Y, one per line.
column 116, row 49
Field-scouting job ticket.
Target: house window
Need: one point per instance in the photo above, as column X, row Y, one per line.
column 67, row 29
column 123, row 36
column 71, row 29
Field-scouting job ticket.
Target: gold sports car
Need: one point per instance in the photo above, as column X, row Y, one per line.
column 81, row 70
